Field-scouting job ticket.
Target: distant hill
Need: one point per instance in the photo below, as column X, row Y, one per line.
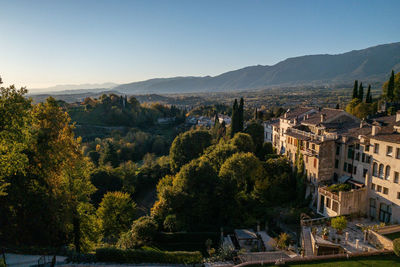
column 369, row 65
column 72, row 88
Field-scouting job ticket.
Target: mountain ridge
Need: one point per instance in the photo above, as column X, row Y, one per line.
column 369, row 64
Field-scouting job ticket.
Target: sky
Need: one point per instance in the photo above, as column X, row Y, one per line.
column 45, row 43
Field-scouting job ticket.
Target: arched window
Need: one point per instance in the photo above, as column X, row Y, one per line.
column 375, row 169
column 381, row 171
column 387, row 172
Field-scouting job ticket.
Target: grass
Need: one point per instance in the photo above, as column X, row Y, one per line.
column 375, row 261
column 393, row 236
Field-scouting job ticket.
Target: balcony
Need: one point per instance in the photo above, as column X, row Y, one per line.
column 313, row 136
column 344, row 202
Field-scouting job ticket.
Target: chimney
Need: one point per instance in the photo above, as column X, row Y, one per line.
column 375, row 130
column 362, row 123
column 323, row 117
column 285, row 116
column 398, row 116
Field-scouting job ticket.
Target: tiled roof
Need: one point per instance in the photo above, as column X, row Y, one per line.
column 328, row 113
column 294, row 113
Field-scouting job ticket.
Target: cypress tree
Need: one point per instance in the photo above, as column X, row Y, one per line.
column 235, row 118
column 355, row 89
column 390, row 88
column 241, row 120
column 255, row 114
column 337, row 106
column 368, row 98
column 361, row 92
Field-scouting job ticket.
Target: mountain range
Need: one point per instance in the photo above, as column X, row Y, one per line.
column 372, row 64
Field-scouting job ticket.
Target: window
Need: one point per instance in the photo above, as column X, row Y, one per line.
column 349, row 168
column 365, row 171
column 385, row 190
column 376, row 148
column 355, row 170
column 336, row 163
column 338, row 150
column 368, row 159
column 379, row 188
column 313, row 146
column 397, row 153
column 367, row 148
column 357, row 156
column 315, row 163
column 345, row 166
column 373, row 186
column 306, row 159
column 396, row 177
column 389, row 151
column 372, row 208
column 328, row 202
column 363, row 157
column 381, row 171
column 398, row 195
column 385, row 212
column 350, row 153
column 387, row 172
column 358, row 146
column 375, row 169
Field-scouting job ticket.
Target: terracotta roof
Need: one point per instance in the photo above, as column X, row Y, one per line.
column 294, row 113
column 328, row 113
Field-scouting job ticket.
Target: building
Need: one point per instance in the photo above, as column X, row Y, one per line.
column 268, row 129
column 351, row 166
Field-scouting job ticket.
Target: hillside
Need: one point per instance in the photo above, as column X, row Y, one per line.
column 370, row 65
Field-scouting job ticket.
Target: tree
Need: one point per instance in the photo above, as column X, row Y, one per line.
column 361, row 92
column 110, row 155
column 368, row 97
column 243, row 142
column 339, row 223
column 218, row 154
column 235, row 118
column 188, row 146
column 256, row 131
column 243, row 169
column 143, row 231
column 241, row 115
column 190, row 195
column 116, row 212
column 355, row 90
column 282, row 242
column 390, row 87
column 14, row 134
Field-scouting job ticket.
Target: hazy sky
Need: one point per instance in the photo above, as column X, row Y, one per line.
column 44, row 43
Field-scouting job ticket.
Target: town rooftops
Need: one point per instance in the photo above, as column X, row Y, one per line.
column 325, row 115
column 296, row 112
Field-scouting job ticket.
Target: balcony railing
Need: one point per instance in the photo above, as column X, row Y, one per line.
column 313, row 136
column 328, row 194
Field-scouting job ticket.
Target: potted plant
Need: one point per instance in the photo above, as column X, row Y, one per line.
column 325, row 233
column 339, row 223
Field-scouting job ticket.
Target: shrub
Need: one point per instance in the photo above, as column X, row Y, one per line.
column 339, row 187
column 396, row 246
column 147, row 256
column 144, row 230
column 282, row 241
column 339, row 223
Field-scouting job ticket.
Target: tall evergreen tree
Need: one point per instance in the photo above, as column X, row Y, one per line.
column 355, row 89
column 368, row 97
column 390, row 88
column 241, row 120
column 256, row 114
column 235, row 118
column 361, row 92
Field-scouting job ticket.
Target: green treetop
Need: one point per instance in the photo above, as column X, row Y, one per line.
column 355, row 89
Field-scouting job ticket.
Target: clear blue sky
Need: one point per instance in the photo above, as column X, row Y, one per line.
column 44, row 43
